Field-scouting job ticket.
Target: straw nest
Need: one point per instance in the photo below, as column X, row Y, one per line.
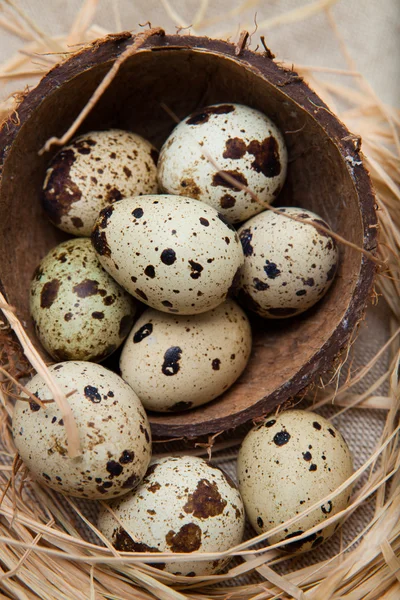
column 49, row 547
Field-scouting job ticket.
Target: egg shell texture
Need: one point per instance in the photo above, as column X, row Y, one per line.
column 97, row 169
column 285, row 465
column 173, row 253
column 178, row 362
column 243, row 142
column 288, row 265
column 79, row 311
column 183, row 505
column 114, row 433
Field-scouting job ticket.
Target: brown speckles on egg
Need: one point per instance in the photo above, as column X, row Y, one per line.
column 223, row 179
column 245, row 237
column 86, row 288
column 77, row 222
column 91, row 392
column 168, row 256
column 113, row 195
column 266, row 156
column 259, row 285
column 125, row 543
column 160, row 367
column 227, row 201
column 280, row 481
column 188, row 538
column 247, row 146
column 190, row 188
column 142, row 332
column 112, row 444
column 138, row 213
column 271, row 270
column 99, row 241
column 73, row 285
column 150, row 271
column 60, row 191
column 281, row 438
column 98, row 315
column 124, row 167
column 216, row 363
column 205, row 501
column 287, row 254
column 153, row 487
column 114, row 468
column 172, row 357
column 202, row 115
column 331, row 273
column 183, row 505
column 234, row 148
column 49, row 293
column 141, row 294
column 152, row 250
column 195, row 269
column 327, row 508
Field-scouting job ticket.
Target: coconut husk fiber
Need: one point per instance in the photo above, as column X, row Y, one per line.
column 48, row 547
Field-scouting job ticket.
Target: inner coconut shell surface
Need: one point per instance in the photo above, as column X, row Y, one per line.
column 325, row 175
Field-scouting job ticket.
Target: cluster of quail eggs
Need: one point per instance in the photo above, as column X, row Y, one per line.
column 185, row 233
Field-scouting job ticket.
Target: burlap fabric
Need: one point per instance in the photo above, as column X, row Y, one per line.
column 370, row 30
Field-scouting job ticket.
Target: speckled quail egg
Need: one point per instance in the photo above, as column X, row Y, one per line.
column 285, row 465
column 183, row 505
column 114, row 433
column 94, row 170
column 78, row 310
column 288, row 265
column 175, row 254
column 242, row 141
column 177, row 362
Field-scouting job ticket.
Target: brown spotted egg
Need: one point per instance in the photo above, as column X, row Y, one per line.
column 243, row 143
column 173, row 253
column 114, row 433
column 184, row 504
column 288, row 265
column 285, row 465
column 176, row 362
column 94, row 170
column 79, row 311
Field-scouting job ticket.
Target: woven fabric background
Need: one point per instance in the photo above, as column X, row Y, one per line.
column 371, row 32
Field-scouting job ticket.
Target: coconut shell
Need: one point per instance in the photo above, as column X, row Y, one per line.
column 326, row 175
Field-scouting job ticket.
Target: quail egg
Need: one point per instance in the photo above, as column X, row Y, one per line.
column 94, row 170
column 78, row 310
column 176, row 362
column 288, row 265
column 285, row 465
column 183, row 505
column 114, row 433
column 175, row 254
column 243, row 142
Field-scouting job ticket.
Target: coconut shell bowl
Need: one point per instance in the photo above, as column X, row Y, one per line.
column 184, row 73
